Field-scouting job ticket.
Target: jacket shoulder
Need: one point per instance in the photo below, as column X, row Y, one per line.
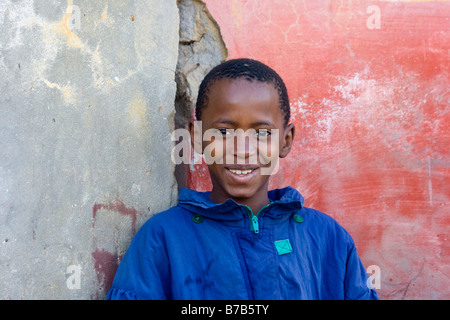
column 170, row 219
column 318, row 216
column 321, row 223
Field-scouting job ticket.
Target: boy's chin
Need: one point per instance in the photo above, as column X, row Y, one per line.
column 244, row 192
column 241, row 194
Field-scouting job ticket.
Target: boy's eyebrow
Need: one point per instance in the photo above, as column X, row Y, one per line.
column 262, row 123
column 223, row 121
column 233, row 123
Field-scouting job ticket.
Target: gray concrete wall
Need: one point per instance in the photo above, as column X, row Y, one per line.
column 87, row 105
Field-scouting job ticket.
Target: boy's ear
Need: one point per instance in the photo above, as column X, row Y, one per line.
column 288, row 139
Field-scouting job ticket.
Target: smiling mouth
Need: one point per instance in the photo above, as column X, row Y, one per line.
column 241, row 172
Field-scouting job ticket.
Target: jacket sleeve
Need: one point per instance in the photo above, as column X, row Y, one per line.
column 356, row 285
column 144, row 272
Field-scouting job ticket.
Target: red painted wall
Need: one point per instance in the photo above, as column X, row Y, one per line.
column 369, row 96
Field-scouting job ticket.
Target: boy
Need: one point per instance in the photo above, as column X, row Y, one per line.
column 241, row 241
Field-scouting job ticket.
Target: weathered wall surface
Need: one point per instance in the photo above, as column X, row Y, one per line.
column 87, row 103
column 369, row 87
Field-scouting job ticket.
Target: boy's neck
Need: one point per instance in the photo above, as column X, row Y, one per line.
column 256, row 202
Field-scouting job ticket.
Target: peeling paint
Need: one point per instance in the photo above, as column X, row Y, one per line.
column 117, row 206
column 105, row 264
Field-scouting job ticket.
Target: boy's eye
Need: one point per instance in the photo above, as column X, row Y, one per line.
column 263, row 132
column 258, row 133
column 225, row 131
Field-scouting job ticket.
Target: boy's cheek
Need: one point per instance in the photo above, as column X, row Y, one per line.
column 214, row 152
column 269, row 156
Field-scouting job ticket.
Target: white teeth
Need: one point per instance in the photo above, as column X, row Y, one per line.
column 244, row 172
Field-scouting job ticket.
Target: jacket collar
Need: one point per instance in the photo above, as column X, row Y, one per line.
column 283, row 201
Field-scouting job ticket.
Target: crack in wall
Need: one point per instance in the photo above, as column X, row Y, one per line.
column 201, row 48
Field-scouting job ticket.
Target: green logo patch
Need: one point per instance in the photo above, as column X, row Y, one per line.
column 283, row 246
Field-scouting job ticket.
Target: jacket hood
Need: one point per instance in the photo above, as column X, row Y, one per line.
column 283, row 201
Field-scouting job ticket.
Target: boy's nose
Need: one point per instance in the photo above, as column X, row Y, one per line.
column 245, row 148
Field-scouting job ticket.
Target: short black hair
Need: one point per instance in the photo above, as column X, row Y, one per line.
column 248, row 69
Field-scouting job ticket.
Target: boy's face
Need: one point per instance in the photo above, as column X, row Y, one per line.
column 241, row 170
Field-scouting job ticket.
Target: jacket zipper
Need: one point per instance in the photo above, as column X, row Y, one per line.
column 254, row 218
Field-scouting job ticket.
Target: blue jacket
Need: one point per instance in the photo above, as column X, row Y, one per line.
column 203, row 250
